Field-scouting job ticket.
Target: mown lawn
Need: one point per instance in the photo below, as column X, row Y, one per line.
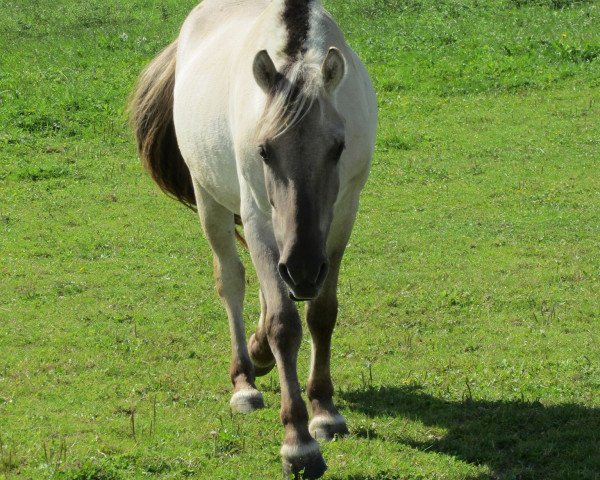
column 468, row 345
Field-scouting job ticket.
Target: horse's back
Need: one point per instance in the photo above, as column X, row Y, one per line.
column 217, row 21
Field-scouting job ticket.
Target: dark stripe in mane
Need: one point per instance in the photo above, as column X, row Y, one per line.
column 296, row 20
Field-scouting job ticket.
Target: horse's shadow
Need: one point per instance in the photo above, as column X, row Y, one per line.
column 515, row 439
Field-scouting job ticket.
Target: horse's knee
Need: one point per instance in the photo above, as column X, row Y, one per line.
column 321, row 316
column 229, row 277
column 284, row 330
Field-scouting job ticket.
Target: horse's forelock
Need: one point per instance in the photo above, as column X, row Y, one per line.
column 299, row 86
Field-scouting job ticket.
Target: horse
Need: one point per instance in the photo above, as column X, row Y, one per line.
column 259, row 114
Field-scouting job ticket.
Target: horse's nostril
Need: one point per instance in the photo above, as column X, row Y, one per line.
column 322, row 273
column 285, row 274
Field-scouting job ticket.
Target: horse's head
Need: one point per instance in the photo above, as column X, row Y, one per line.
column 301, row 143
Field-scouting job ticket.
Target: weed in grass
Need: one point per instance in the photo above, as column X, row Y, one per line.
column 91, row 471
column 54, row 455
column 8, row 457
column 228, row 440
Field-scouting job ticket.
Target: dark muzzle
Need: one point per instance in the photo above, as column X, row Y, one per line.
column 304, row 277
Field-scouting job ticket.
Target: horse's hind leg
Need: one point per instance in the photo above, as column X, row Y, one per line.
column 219, row 228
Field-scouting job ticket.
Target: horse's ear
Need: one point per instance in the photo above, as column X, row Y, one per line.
column 333, row 68
column 264, row 71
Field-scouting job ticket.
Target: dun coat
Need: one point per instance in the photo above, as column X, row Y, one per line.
column 260, row 114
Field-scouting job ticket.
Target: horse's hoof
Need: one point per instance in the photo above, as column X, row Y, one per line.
column 303, row 461
column 246, row 401
column 325, row 427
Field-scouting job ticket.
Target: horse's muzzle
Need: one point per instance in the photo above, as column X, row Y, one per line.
column 303, row 283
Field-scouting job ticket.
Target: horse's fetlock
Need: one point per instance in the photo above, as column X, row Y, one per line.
column 320, row 391
column 294, row 417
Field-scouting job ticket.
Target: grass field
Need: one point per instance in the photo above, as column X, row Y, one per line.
column 468, row 344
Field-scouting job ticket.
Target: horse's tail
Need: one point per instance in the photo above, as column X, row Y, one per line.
column 151, row 116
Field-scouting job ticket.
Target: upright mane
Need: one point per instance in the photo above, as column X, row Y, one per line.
column 296, row 18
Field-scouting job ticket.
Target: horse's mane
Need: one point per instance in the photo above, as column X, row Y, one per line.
column 299, row 85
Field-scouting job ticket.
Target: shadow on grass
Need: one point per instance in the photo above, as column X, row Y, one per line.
column 516, row 440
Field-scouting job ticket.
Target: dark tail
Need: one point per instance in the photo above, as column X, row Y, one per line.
column 151, row 115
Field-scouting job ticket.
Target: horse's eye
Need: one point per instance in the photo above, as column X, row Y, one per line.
column 263, row 152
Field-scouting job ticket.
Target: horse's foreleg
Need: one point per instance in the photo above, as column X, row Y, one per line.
column 321, row 316
column 219, row 228
column 283, row 330
column 300, row 452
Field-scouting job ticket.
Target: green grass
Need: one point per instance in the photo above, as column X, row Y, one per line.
column 469, row 338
